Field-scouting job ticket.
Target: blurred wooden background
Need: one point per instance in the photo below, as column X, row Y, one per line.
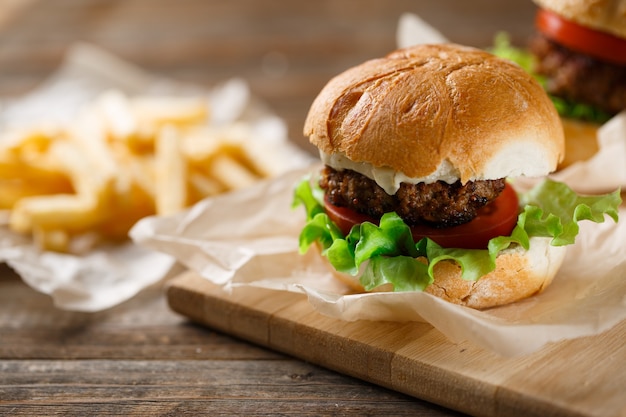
column 286, row 50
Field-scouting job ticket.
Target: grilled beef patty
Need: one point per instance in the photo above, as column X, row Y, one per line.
column 438, row 204
column 579, row 77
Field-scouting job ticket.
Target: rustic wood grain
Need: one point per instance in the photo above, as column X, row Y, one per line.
column 169, row 387
column 142, row 359
column 580, row 377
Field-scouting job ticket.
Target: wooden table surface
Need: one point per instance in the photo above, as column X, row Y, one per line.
column 140, row 358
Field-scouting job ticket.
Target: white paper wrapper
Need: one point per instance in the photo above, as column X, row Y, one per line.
column 413, row 30
column 110, row 275
column 250, row 238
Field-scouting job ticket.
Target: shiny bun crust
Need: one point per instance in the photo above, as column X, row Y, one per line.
column 519, row 274
column 422, row 106
column 604, row 15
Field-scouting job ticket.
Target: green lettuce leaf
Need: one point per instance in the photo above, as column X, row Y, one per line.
column 386, row 253
column 554, row 210
column 566, row 108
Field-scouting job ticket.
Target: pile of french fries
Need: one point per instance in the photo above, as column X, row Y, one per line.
column 122, row 158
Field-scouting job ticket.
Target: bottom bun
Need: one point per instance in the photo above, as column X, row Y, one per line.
column 581, row 141
column 518, row 274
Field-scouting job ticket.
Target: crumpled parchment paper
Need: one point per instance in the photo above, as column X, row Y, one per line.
column 110, row 275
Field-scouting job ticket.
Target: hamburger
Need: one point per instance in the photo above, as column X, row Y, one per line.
column 579, row 55
column 415, row 194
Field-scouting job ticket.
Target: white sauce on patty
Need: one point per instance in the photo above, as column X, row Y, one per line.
column 387, row 178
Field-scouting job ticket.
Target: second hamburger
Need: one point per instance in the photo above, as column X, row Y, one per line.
column 578, row 53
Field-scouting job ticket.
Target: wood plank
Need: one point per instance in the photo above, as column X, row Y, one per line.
column 140, row 358
column 139, row 387
column 141, row 328
column 581, row 377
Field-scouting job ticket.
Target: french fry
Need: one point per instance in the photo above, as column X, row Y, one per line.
column 128, row 205
column 79, row 211
column 161, row 111
column 24, row 141
column 87, row 180
column 121, row 158
column 116, row 111
column 12, row 191
column 59, row 211
column 202, row 186
column 199, row 145
column 10, row 170
column 230, row 172
column 170, row 173
column 63, row 241
column 52, row 240
column 141, row 171
column 89, row 135
column 261, row 159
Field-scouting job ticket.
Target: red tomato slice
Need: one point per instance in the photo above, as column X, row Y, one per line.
column 496, row 219
column 592, row 42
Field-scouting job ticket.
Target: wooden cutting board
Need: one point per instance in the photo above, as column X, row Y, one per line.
column 581, row 377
